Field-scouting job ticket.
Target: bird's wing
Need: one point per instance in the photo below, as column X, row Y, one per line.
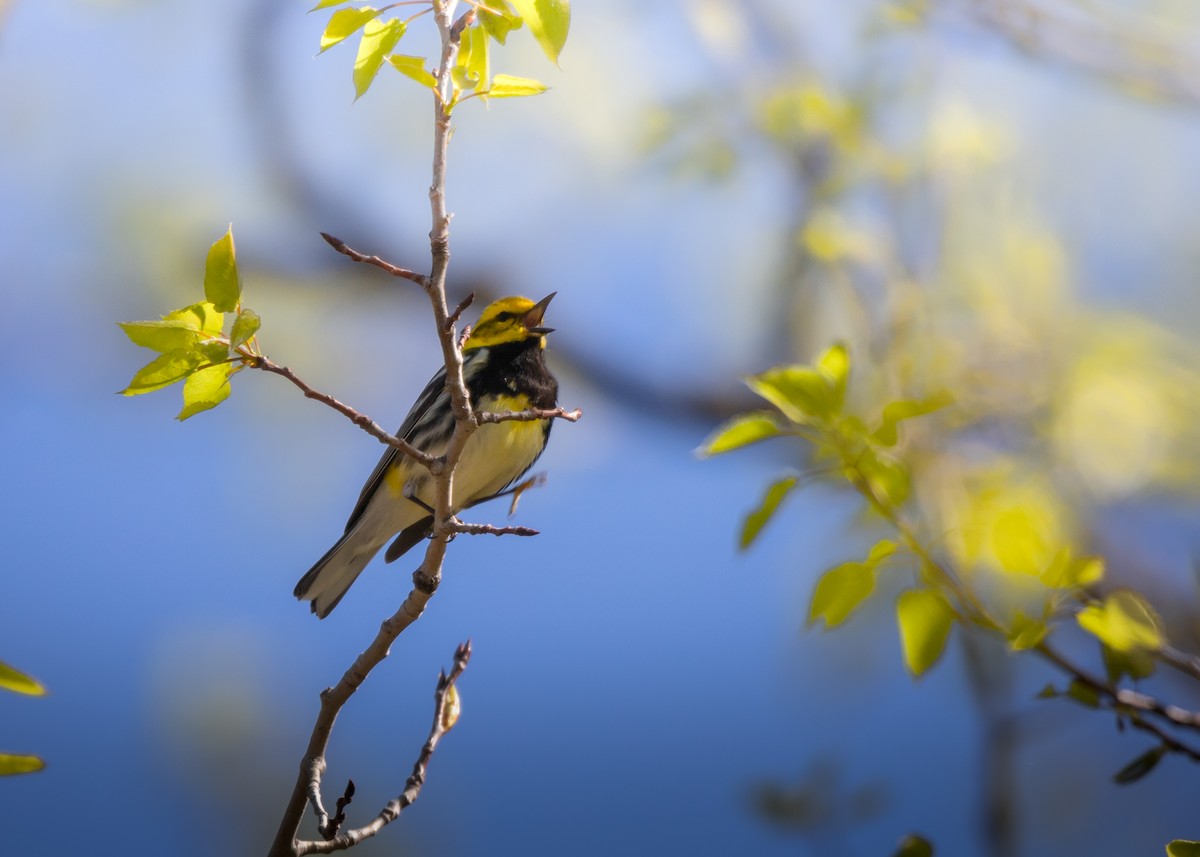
column 435, row 389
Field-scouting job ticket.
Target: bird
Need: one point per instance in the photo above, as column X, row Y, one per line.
column 504, row 367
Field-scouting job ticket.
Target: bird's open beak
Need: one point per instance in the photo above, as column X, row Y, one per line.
column 533, row 319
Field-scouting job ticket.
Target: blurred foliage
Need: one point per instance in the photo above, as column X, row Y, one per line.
column 993, row 413
column 18, row 682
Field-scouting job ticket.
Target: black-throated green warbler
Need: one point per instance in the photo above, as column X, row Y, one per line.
column 504, row 365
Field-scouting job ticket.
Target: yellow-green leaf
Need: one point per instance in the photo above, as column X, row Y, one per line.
column 549, row 21
column 1137, row 664
column 14, row 764
column 1183, row 848
column 1068, row 572
column 414, row 68
column 16, row 681
column 222, row 286
column 888, row 477
column 161, row 336
column 925, row 618
column 378, row 39
column 1124, row 622
column 344, row 23
column 325, row 4
column 800, row 392
column 244, row 327
column 840, row 591
column 740, row 431
column 206, row 389
column 914, row 846
column 896, row 412
column 164, row 371
column 202, row 317
column 834, row 364
column 758, row 519
column 500, row 23
column 883, row 549
column 507, row 86
column 1026, row 632
column 474, row 59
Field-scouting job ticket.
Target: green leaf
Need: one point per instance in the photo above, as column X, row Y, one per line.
column 244, row 327
column 914, row 846
column 801, row 392
column 12, row 764
column 925, row 618
column 472, row 67
column 1123, row 622
column 1026, row 632
column 500, row 23
column 888, row 478
column 414, row 68
column 378, row 39
column 1048, row 692
column 1084, row 694
column 325, row 4
column 202, row 317
column 344, row 23
column 1183, row 848
column 758, row 519
column 164, row 371
column 834, row 364
column 1140, row 766
column 206, row 389
column 1068, row 572
column 840, row 591
column 222, row 286
column 740, row 431
column 16, row 681
column 896, row 412
column 1137, row 664
column 882, row 549
column 549, row 21
column 507, row 86
column 161, row 336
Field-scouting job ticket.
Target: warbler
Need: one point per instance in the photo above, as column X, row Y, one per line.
column 504, row 366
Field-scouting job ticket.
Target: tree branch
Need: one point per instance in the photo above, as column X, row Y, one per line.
column 445, row 714
column 332, row 700
column 485, row 417
column 395, row 270
column 258, row 361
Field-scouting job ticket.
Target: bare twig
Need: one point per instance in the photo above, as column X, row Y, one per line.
column 395, row 270
column 458, row 526
column 257, row 361
column 484, row 417
column 332, row 700
column 443, row 721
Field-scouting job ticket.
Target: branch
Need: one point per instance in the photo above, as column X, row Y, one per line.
column 332, row 700
column 257, row 361
column 485, row 417
column 445, row 714
column 457, row 526
column 395, row 270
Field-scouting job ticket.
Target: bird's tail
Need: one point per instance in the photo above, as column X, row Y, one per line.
column 327, row 581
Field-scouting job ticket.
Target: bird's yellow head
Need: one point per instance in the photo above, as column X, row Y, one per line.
column 510, row 320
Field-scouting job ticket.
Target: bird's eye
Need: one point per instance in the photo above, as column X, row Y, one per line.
column 504, row 316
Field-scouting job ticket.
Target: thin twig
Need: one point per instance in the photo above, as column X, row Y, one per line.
column 528, row 416
column 332, row 700
column 457, row 526
column 257, row 361
column 444, row 717
column 395, row 270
